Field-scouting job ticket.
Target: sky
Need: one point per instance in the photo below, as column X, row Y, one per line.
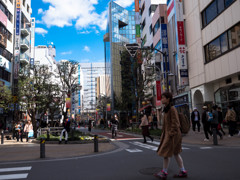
column 75, row 27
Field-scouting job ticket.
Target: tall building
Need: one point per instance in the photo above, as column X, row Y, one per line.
column 213, row 44
column 178, row 59
column 6, row 51
column 88, row 73
column 6, row 41
column 147, row 9
column 120, row 30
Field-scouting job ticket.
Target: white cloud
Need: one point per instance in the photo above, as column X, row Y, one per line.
column 66, row 53
column 86, row 48
column 64, row 12
column 124, row 3
column 41, row 31
column 40, row 11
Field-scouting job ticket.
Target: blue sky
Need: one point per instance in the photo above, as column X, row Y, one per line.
column 75, row 27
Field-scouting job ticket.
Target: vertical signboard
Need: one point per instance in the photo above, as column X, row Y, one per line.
column 17, row 39
column 181, row 48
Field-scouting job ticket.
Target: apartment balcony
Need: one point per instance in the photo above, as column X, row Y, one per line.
column 24, row 58
column 24, row 44
column 25, row 31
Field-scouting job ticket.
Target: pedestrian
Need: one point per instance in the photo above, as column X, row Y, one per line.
column 155, row 121
column 220, row 120
column 206, row 123
column 66, row 130
column 231, row 119
column 195, row 117
column 89, row 125
column 18, row 130
column 171, row 139
column 215, row 122
column 27, row 128
column 145, row 128
column 114, row 125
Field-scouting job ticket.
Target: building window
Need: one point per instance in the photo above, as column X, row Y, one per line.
column 6, row 12
column 156, row 27
column 11, row 1
column 150, row 29
column 152, row 9
column 143, row 24
column 223, row 43
column 28, row 8
column 5, row 75
column 143, row 7
column 144, row 40
column 23, row 2
column 214, row 9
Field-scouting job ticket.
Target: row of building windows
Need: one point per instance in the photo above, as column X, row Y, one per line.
column 6, row 12
column 214, row 9
column 223, row 43
column 157, row 25
column 5, row 75
column 5, row 32
column 5, row 53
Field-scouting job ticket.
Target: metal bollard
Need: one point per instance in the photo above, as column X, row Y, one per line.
column 215, row 140
column 42, row 148
column 2, row 137
column 95, row 143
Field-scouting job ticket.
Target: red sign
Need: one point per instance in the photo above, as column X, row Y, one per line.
column 136, row 5
column 170, row 8
column 158, row 89
column 181, row 38
column 108, row 107
column 68, row 102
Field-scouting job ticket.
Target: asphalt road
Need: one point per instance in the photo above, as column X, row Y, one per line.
column 133, row 160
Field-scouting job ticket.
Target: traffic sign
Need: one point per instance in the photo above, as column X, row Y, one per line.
column 132, row 48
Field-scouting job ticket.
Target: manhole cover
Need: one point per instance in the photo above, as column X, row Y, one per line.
column 150, row 171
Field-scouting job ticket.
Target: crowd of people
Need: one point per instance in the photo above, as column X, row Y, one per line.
column 213, row 119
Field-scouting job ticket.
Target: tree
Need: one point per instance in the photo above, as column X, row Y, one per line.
column 36, row 91
column 102, row 102
column 67, row 71
column 5, row 97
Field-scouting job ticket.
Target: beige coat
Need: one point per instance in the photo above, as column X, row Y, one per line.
column 28, row 127
column 171, row 138
column 231, row 115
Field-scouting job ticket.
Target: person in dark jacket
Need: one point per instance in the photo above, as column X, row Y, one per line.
column 195, row 117
column 206, row 124
column 220, row 119
column 214, row 122
column 145, row 128
column 66, row 129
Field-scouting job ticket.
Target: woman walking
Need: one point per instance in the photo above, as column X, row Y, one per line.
column 27, row 128
column 171, row 139
column 145, row 128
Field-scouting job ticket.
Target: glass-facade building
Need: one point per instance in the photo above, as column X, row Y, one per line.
column 120, row 31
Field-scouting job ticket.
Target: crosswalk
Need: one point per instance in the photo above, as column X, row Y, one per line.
column 153, row 146
column 12, row 173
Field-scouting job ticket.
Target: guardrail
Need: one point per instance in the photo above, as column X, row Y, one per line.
column 50, row 130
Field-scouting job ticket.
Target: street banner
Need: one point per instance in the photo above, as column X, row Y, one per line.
column 108, row 107
column 68, row 102
column 158, row 89
column 136, row 5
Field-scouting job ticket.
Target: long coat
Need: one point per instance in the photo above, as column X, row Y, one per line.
column 171, row 138
column 144, row 126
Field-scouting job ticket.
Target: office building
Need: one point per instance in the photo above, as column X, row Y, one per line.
column 120, row 31
column 213, row 44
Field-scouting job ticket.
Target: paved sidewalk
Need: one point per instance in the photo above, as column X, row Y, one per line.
column 198, row 138
column 23, row 151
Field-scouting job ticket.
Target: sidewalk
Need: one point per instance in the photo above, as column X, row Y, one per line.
column 198, row 138
column 12, row 150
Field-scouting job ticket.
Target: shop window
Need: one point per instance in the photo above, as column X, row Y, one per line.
column 234, row 93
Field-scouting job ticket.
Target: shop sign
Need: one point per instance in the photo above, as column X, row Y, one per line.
column 181, row 100
column 170, row 9
column 18, row 21
column 136, row 5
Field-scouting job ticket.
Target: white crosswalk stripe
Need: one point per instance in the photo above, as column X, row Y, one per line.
column 14, row 176
column 148, row 146
column 133, row 150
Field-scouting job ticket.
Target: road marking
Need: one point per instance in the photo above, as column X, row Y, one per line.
column 185, row 148
column 154, row 148
column 205, row 147
column 28, row 168
column 133, row 150
column 14, row 176
column 154, row 142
